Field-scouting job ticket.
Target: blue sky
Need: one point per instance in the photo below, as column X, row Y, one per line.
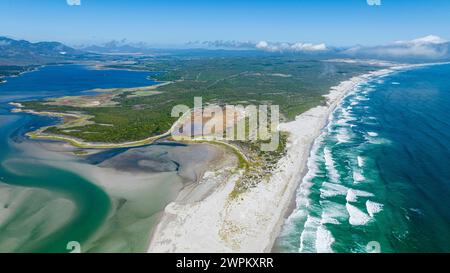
column 338, row 22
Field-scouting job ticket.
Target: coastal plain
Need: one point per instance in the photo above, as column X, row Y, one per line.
column 202, row 189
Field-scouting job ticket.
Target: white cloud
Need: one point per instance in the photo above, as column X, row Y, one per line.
column 74, row 2
column 296, row 47
column 264, row 45
column 308, row 47
column 430, row 46
column 430, row 39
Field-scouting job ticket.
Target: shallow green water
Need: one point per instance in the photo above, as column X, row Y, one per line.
column 43, row 207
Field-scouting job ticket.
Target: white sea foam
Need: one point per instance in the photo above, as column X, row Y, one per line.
column 372, row 134
column 332, row 189
column 333, row 212
column 352, row 195
column 302, row 199
column 358, row 176
column 342, row 121
column 373, row 207
column 305, row 241
column 324, row 240
column 328, row 219
column 302, row 196
column 360, row 161
column 329, row 163
column 290, row 226
column 343, row 135
column 379, row 141
column 362, row 98
column 308, row 236
column 346, row 113
column 357, row 216
column 344, row 117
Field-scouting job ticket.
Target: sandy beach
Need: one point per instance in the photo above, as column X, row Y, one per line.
column 252, row 222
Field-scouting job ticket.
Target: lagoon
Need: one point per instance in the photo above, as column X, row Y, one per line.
column 49, row 197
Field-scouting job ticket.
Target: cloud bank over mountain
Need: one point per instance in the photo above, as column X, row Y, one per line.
column 431, row 46
column 424, row 49
column 21, row 52
column 428, row 47
column 263, row 45
column 295, row 47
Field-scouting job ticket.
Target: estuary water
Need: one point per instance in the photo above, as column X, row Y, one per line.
column 379, row 175
column 42, row 207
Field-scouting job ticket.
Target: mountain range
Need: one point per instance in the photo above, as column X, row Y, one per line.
column 424, row 49
column 21, row 52
column 428, row 48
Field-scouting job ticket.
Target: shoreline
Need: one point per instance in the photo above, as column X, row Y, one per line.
column 38, row 134
column 4, row 79
column 334, row 99
column 253, row 223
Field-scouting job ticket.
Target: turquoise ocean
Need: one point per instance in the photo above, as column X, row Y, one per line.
column 379, row 175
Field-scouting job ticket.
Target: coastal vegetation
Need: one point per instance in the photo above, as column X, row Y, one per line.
column 9, row 70
column 260, row 163
column 133, row 116
column 122, row 115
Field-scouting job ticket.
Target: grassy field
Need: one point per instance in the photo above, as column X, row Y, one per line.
column 294, row 83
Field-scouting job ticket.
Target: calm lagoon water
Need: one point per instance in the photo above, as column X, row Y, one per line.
column 59, row 206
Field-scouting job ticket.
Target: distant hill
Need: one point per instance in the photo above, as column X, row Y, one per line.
column 423, row 49
column 119, row 47
column 428, row 48
column 21, row 52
